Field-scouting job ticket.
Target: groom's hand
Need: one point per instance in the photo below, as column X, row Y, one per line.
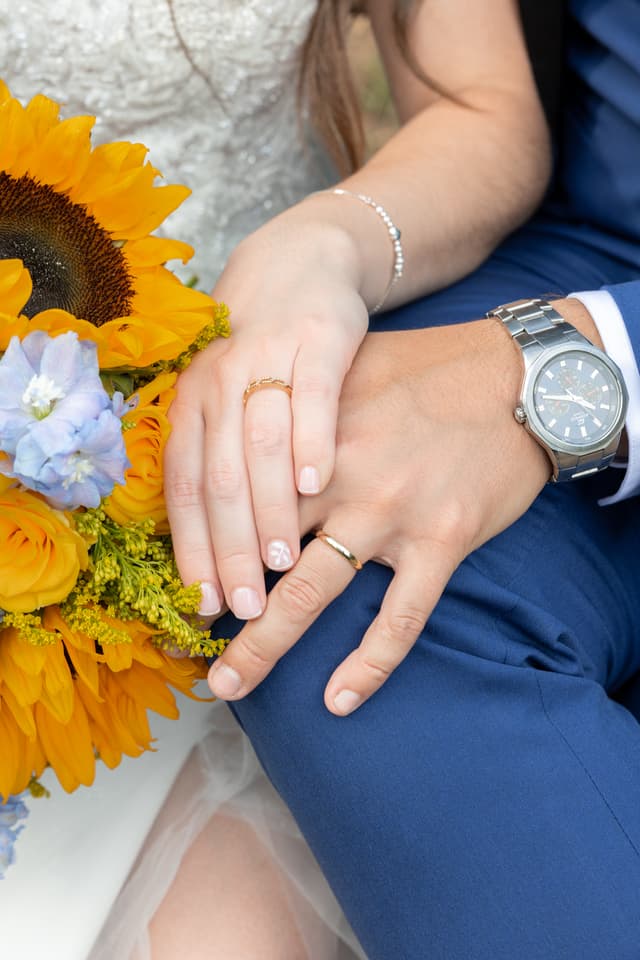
column 430, row 464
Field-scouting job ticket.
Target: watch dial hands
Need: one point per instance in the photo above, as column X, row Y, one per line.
column 572, row 398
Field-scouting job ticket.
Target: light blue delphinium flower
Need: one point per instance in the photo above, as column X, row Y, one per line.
column 11, row 813
column 58, row 425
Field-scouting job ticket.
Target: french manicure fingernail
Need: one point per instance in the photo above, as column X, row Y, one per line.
column 279, row 555
column 245, row 603
column 209, row 600
column 309, row 481
column 225, row 682
column 346, row 701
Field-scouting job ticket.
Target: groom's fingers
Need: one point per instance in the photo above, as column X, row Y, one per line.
column 410, row 598
column 297, row 600
column 301, row 596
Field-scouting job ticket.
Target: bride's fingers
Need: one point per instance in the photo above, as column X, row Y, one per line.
column 230, row 508
column 186, row 509
column 407, row 605
column 318, row 377
column 268, row 424
column 297, row 600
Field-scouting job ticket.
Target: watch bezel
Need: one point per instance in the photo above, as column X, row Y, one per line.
column 533, row 422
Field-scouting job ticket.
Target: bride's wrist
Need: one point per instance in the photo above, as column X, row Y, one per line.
column 376, row 247
column 310, row 233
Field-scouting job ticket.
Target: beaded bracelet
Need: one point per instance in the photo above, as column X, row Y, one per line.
column 394, row 234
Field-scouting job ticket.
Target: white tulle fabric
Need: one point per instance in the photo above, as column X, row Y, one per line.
column 222, row 775
column 209, row 87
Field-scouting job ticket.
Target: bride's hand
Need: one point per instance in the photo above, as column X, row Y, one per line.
column 430, row 464
column 233, row 471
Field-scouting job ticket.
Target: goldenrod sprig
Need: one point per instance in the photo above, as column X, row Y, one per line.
column 133, row 576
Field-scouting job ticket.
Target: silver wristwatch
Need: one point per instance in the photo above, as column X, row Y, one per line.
column 573, row 399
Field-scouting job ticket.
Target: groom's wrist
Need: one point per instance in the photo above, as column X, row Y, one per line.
column 575, row 313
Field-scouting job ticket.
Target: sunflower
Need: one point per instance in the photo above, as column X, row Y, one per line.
column 79, row 674
column 79, row 218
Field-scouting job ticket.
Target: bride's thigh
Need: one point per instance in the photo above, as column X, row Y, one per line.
column 229, row 901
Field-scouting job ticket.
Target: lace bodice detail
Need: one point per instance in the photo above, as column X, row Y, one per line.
column 208, row 85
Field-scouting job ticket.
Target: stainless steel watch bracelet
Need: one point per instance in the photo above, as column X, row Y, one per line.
column 535, row 326
column 534, row 323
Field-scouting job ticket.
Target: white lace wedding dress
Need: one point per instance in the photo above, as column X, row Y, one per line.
column 209, row 87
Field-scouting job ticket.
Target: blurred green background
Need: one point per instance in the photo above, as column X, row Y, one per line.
column 379, row 115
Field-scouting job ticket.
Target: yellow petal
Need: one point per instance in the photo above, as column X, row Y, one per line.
column 27, row 656
column 63, row 153
column 105, row 734
column 15, row 287
column 25, row 686
column 43, row 114
column 80, row 649
column 68, row 746
column 118, row 656
column 23, row 715
column 57, row 691
column 11, row 743
column 153, row 251
column 17, row 139
column 12, row 326
column 150, row 689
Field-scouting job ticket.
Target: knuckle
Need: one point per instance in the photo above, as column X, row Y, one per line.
column 273, row 518
column 451, row 528
column 402, row 628
column 195, row 556
column 224, row 481
column 384, row 502
column 266, row 439
column 302, row 598
column 377, row 670
column 318, row 323
column 236, row 559
column 178, row 412
column 252, row 653
column 181, row 491
column 315, row 387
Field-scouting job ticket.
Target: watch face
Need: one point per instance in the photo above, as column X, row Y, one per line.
column 577, row 399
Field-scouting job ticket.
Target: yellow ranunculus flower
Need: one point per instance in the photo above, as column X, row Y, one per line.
column 41, row 554
column 142, row 494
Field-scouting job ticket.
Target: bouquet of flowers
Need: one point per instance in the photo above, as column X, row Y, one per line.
column 94, row 330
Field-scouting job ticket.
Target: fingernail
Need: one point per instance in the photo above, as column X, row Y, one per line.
column 245, row 603
column 309, row 481
column 279, row 555
column 224, row 682
column 346, row 701
column 209, row 600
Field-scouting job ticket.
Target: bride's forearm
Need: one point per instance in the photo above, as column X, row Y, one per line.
column 471, row 159
column 456, row 180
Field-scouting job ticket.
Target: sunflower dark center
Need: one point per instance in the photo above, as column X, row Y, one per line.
column 73, row 262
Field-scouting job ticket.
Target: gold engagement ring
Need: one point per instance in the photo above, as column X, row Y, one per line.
column 265, row 383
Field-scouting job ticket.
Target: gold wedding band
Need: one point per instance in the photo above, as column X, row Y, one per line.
column 339, row 548
column 264, row 383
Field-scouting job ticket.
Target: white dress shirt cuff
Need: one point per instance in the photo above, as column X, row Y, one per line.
column 611, row 327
